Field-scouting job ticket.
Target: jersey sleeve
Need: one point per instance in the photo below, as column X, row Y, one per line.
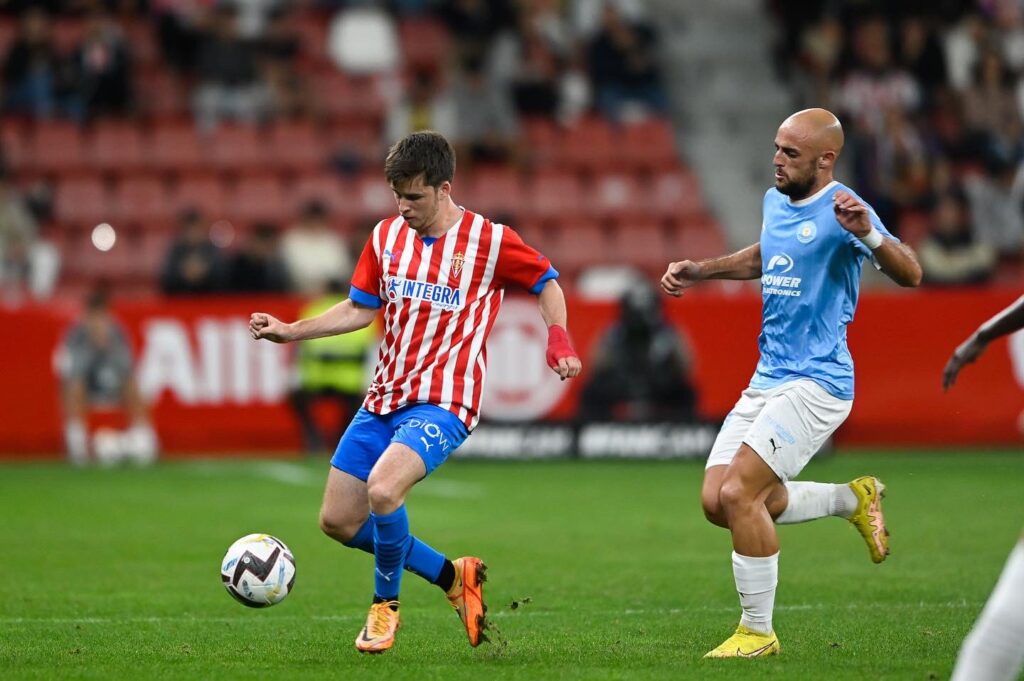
column 520, row 265
column 365, row 288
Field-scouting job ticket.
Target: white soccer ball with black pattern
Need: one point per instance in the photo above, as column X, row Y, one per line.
column 258, row 570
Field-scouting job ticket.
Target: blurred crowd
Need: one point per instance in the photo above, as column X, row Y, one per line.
column 931, row 96
column 473, row 69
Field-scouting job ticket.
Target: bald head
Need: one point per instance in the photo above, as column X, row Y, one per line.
column 806, row 148
column 819, row 128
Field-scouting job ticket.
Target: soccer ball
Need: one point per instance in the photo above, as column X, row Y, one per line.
column 258, row 570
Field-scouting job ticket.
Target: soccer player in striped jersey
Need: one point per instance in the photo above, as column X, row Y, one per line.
column 439, row 272
column 815, row 237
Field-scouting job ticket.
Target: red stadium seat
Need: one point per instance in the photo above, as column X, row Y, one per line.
column 578, row 243
column 258, row 197
column 83, row 201
column 177, row 148
column 541, row 135
column 205, row 192
column 424, row 43
column 117, row 146
column 648, row 145
column 323, row 187
column 67, row 34
column 696, row 240
column 298, row 146
column 675, row 193
column 311, row 31
column 588, row 145
column 142, row 201
column 160, row 93
column 554, row 194
column 57, row 147
column 235, row 148
column 495, row 193
column 373, row 198
column 645, row 245
column 347, row 98
column 17, row 147
column 142, row 41
column 614, row 195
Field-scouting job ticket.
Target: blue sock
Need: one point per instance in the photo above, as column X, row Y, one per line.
column 420, row 559
column 391, row 541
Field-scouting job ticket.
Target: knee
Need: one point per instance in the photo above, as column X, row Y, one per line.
column 340, row 528
column 733, row 496
column 384, row 497
column 713, row 510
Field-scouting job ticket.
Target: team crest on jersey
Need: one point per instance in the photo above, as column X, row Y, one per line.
column 445, row 297
column 806, row 231
column 457, row 261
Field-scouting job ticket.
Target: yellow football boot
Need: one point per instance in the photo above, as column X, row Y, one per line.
column 868, row 518
column 747, row 643
column 379, row 632
column 467, row 596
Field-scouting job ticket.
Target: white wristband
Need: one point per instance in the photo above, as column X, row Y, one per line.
column 872, row 239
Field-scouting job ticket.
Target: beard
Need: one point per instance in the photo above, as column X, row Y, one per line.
column 796, row 189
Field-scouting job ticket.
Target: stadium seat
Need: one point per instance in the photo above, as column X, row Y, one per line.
column 647, row 145
column 160, row 93
column 553, row 194
column 588, row 145
column 205, row 192
column 16, row 144
column 374, row 200
column 142, row 41
column 613, row 195
column 645, row 245
column 698, row 239
column 57, row 147
column 117, row 146
column 142, row 200
column 256, row 198
column 424, row 43
column 82, row 201
column 674, row 193
column 495, row 193
column 177, row 148
column 311, row 31
column 577, row 243
column 298, row 147
column 236, row 148
column 323, row 187
column 349, row 98
column 67, row 34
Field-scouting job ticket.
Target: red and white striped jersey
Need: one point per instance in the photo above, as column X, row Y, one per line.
column 440, row 301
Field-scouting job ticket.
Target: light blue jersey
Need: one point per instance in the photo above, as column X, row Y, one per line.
column 810, row 279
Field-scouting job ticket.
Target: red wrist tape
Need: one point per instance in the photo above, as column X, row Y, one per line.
column 559, row 346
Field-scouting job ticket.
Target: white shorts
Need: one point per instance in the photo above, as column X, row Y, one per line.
column 785, row 425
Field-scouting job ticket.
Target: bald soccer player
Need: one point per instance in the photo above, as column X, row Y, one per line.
column 815, row 236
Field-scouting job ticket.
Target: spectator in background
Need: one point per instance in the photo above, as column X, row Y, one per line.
column 921, row 53
column 476, row 24
column 278, row 51
column 486, row 125
column 624, row 67
column 951, row 254
column 229, row 84
column 33, row 76
column 28, row 265
column 363, row 40
column 194, row 265
column 333, row 367
column 258, row 267
column 995, row 198
column 425, row 105
column 640, row 370
column 102, row 67
column 990, row 106
column 314, row 254
column 178, row 30
column 96, row 368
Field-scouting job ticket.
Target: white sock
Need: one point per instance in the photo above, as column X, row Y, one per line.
column 141, row 443
column 994, row 650
column 756, row 579
column 76, row 439
column 813, row 500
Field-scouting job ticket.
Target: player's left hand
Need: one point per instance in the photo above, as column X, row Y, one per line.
column 560, row 355
column 966, row 352
column 852, row 215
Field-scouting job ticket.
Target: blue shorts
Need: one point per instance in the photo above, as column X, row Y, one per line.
column 427, row 429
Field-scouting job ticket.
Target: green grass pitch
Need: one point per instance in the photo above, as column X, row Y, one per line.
column 114, row 573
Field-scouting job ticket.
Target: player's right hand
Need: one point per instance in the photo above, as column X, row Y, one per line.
column 268, row 327
column 680, row 276
column 966, row 352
